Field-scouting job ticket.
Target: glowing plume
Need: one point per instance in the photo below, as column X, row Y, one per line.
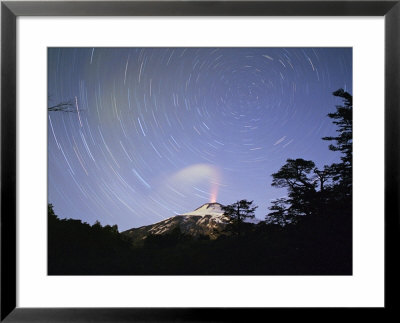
column 214, row 193
column 184, row 179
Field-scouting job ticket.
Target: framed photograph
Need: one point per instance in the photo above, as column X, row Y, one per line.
column 167, row 160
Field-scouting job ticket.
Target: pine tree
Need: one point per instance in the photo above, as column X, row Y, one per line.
column 238, row 212
column 343, row 142
column 281, row 213
column 296, row 175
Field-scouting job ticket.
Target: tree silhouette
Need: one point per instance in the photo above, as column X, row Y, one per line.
column 65, row 106
column 50, row 212
column 296, row 175
column 343, row 142
column 323, row 176
column 281, row 213
column 238, row 212
column 302, row 178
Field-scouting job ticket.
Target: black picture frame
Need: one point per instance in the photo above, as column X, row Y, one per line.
column 10, row 10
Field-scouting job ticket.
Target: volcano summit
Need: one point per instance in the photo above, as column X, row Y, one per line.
column 207, row 220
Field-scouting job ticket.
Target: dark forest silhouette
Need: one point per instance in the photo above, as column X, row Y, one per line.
column 314, row 192
column 309, row 232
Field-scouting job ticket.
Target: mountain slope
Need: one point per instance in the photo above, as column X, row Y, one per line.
column 207, row 220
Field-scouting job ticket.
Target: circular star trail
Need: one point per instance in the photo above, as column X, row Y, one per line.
column 154, row 132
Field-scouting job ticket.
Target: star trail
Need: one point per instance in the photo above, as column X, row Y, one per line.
column 154, row 132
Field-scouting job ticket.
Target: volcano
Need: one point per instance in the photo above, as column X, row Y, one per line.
column 214, row 209
column 207, row 220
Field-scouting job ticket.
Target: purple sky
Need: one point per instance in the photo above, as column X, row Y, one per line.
column 156, row 132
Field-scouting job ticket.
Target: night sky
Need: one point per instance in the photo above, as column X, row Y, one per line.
column 155, row 132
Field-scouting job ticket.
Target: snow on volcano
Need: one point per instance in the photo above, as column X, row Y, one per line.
column 213, row 209
column 208, row 219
